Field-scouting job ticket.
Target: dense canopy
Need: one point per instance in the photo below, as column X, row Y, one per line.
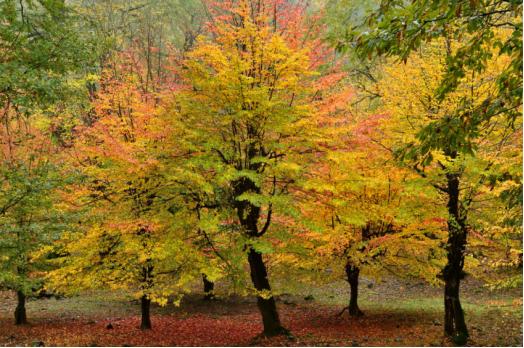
column 259, row 148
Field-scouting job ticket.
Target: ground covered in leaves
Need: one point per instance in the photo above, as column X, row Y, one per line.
column 396, row 314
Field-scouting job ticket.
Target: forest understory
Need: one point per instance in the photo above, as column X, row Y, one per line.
column 397, row 313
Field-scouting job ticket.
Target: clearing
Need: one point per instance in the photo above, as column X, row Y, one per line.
column 397, row 313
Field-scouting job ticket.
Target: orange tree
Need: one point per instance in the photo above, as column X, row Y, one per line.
column 367, row 214
column 129, row 238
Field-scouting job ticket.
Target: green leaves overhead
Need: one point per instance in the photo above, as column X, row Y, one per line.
column 41, row 44
column 470, row 29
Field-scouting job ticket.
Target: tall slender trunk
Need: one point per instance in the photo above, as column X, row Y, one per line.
column 267, row 306
column 209, row 286
column 352, row 273
column 146, row 318
column 454, row 323
column 20, row 314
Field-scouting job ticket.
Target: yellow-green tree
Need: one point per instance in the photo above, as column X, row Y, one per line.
column 245, row 116
column 40, row 50
column 463, row 161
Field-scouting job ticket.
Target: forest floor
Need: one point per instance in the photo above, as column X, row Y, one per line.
column 397, row 313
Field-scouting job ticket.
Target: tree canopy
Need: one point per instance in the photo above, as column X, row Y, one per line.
column 148, row 146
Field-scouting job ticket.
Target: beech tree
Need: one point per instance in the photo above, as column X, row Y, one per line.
column 398, row 30
column 31, row 215
column 130, row 240
column 40, row 49
column 371, row 216
column 249, row 147
column 244, row 114
column 443, row 149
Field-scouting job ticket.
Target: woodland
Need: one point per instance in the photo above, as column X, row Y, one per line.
column 260, row 172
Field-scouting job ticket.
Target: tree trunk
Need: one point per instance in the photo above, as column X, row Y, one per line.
column 209, row 286
column 146, row 318
column 267, row 306
column 352, row 273
column 20, row 314
column 454, row 323
column 248, row 215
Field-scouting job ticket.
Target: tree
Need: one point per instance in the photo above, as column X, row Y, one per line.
column 399, row 30
column 370, row 215
column 129, row 239
column 40, row 48
column 31, row 214
column 244, row 114
column 442, row 149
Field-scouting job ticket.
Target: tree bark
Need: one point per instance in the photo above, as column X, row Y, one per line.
column 454, row 323
column 267, row 306
column 209, row 286
column 146, row 318
column 248, row 215
column 352, row 273
column 20, row 314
